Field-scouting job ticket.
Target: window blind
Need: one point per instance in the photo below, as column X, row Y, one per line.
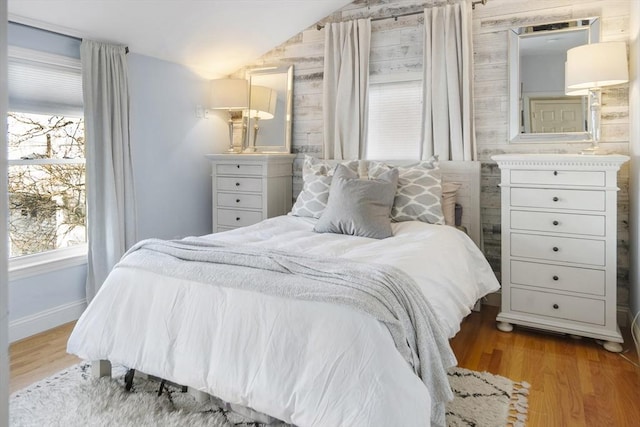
column 395, row 110
column 44, row 83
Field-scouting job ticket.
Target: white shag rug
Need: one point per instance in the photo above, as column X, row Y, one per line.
column 72, row 398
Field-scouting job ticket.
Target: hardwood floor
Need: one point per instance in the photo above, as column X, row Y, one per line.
column 39, row 356
column 573, row 382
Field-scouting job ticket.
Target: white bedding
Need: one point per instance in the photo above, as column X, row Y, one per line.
column 304, row 362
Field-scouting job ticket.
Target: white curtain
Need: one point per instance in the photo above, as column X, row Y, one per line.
column 111, row 212
column 345, row 88
column 448, row 128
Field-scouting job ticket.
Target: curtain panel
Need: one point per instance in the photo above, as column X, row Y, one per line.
column 448, row 127
column 111, row 212
column 345, row 88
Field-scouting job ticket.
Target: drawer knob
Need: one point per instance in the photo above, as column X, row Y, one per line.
column 555, row 278
column 555, row 199
column 237, row 218
column 556, row 306
column 555, row 173
column 555, row 249
column 237, row 200
column 238, row 166
column 555, row 223
column 237, row 184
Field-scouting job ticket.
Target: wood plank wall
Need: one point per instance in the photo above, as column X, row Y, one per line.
column 396, row 49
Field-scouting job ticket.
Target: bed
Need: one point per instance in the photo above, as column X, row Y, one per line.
column 169, row 309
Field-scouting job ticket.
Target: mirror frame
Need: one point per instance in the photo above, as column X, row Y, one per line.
column 514, row 86
column 287, row 70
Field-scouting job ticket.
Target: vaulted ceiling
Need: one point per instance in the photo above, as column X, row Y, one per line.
column 212, row 37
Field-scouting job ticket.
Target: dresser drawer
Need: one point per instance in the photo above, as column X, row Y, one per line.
column 558, row 199
column 239, row 184
column 238, row 169
column 593, row 225
column 567, row 307
column 240, row 200
column 571, row 279
column 558, row 177
column 237, row 218
column 564, row 249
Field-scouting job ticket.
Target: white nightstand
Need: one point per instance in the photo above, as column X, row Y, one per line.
column 559, row 244
column 248, row 188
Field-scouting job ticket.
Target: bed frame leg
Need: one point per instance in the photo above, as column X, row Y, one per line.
column 101, row 368
column 200, row 396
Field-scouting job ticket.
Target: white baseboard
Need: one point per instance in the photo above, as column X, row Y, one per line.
column 45, row 320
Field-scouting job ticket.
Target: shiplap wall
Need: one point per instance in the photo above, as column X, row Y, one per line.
column 396, row 49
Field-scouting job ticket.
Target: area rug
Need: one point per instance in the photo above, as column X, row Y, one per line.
column 73, row 398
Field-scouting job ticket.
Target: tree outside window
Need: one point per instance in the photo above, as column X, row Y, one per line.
column 47, row 204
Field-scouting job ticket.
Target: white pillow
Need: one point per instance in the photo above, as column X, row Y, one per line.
column 317, row 175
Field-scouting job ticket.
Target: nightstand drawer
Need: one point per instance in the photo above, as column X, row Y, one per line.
column 572, row 279
column 240, row 200
column 593, row 225
column 558, row 177
column 238, row 169
column 558, row 199
column 238, row 218
column 239, row 184
column 564, row 249
column 567, row 307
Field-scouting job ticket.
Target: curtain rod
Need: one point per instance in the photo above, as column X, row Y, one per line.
column 402, row 15
column 126, row 48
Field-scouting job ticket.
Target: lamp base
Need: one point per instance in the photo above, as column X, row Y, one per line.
column 594, row 150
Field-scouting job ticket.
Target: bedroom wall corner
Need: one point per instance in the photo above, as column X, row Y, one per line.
column 4, row 286
column 634, row 152
column 172, row 177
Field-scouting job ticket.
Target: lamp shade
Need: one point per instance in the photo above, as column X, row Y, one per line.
column 573, row 92
column 596, row 65
column 263, row 102
column 229, row 94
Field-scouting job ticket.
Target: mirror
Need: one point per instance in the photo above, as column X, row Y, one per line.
column 269, row 114
column 539, row 109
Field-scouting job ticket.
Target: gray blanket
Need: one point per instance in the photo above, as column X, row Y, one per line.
column 383, row 292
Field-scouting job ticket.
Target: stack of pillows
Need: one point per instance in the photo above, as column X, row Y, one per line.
column 350, row 200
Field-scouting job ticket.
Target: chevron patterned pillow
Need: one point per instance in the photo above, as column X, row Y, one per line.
column 419, row 192
column 317, row 175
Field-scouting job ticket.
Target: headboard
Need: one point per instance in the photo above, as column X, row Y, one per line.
column 467, row 174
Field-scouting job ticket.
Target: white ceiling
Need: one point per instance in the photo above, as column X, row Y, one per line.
column 212, row 37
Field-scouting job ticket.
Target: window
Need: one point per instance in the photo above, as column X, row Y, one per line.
column 45, row 125
column 46, row 182
column 395, row 110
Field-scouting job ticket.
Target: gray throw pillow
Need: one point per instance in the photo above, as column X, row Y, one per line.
column 359, row 207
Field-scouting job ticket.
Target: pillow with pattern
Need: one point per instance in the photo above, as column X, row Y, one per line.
column 419, row 192
column 316, row 175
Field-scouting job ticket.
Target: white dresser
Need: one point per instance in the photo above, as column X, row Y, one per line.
column 559, row 244
column 248, row 188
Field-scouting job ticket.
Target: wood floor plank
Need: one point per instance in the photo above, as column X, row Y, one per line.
column 573, row 382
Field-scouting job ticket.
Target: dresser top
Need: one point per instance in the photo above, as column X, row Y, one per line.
column 561, row 159
column 235, row 157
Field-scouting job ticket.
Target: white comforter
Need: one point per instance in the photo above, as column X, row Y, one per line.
column 304, row 362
